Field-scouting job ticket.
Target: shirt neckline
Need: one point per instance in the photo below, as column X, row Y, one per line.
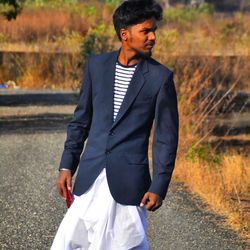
column 127, row 66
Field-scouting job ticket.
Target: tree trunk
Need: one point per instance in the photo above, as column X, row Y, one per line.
column 242, row 5
column 166, row 4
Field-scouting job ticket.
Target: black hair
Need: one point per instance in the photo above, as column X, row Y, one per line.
column 133, row 12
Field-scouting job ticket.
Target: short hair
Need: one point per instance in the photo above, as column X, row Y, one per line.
column 133, row 12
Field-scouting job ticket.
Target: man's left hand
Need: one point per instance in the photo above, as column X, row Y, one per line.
column 152, row 201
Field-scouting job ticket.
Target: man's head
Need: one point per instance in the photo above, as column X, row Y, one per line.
column 135, row 24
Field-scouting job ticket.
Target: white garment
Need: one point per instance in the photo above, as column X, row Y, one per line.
column 95, row 221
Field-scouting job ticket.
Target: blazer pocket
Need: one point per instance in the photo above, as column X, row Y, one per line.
column 137, row 159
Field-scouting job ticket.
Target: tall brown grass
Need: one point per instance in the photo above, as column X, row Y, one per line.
column 203, row 35
column 42, row 70
column 192, row 76
column 225, row 187
column 40, row 25
column 207, row 89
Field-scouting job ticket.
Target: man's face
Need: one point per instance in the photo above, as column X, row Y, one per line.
column 141, row 37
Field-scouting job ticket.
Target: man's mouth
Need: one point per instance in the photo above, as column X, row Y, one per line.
column 150, row 46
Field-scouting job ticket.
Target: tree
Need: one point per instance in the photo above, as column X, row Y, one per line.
column 166, row 4
column 11, row 8
column 242, row 5
column 196, row 3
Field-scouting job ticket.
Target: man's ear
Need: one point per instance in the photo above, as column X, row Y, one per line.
column 124, row 34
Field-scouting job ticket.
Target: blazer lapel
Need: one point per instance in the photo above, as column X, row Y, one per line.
column 135, row 86
column 108, row 88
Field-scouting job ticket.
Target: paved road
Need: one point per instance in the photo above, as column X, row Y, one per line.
column 31, row 209
column 31, row 142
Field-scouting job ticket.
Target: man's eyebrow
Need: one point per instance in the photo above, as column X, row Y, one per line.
column 149, row 29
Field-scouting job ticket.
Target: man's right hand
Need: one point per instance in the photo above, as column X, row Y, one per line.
column 64, row 182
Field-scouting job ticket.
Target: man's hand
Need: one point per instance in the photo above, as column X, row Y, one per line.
column 64, row 182
column 152, row 201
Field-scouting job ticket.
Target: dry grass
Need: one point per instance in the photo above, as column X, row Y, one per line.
column 220, row 77
column 208, row 35
column 225, row 188
column 41, row 25
column 42, row 70
column 204, row 35
column 222, row 180
column 192, row 75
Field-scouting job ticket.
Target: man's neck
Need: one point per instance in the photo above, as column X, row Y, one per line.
column 128, row 57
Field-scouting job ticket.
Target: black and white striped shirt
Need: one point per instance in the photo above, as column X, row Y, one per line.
column 123, row 76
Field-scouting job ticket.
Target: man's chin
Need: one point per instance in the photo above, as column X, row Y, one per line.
column 145, row 55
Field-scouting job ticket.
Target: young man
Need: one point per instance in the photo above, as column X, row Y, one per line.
column 122, row 93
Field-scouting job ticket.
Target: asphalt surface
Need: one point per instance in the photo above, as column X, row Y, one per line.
column 31, row 144
column 31, row 209
column 19, row 97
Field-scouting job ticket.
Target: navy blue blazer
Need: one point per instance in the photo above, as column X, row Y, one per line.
column 122, row 146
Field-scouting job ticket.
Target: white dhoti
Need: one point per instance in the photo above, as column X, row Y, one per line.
column 95, row 221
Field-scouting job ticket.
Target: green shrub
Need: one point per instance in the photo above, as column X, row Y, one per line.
column 98, row 40
column 90, row 10
column 203, row 153
column 183, row 14
column 50, row 3
column 206, row 8
column 234, row 27
column 11, row 8
column 69, row 38
column 111, row 2
column 3, row 38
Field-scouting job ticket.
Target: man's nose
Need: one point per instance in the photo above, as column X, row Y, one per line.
column 152, row 36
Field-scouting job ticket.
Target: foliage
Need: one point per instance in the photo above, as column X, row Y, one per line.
column 203, row 153
column 205, row 8
column 98, row 40
column 11, row 8
column 69, row 38
column 183, row 14
column 111, row 2
column 234, row 28
column 50, row 3
column 90, row 10
column 3, row 38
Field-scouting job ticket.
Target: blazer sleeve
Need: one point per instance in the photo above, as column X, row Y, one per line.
column 78, row 128
column 165, row 140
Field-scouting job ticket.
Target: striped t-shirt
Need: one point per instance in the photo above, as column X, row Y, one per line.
column 123, row 76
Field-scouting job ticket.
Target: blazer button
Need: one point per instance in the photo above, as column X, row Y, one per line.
column 111, row 133
column 108, row 152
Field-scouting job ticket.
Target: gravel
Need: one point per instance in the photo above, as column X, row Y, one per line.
column 31, row 209
column 31, row 143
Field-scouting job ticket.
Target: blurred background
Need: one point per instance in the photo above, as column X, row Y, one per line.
column 44, row 44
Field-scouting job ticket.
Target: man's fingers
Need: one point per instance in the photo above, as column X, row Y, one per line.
column 62, row 188
column 144, row 200
column 64, row 183
column 152, row 201
column 156, row 206
column 68, row 184
column 150, row 205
